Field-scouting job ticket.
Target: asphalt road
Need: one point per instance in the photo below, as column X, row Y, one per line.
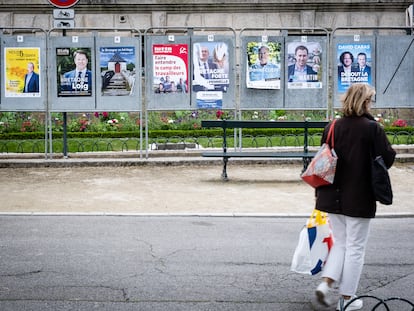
column 122, row 263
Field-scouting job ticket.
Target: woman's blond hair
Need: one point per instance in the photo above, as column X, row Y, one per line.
column 356, row 100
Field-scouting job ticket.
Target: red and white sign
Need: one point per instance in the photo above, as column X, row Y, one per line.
column 63, row 4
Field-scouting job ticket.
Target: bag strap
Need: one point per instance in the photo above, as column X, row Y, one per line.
column 331, row 133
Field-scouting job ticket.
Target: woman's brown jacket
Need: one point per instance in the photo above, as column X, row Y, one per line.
column 351, row 193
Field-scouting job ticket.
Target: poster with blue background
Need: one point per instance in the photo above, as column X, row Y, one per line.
column 354, row 62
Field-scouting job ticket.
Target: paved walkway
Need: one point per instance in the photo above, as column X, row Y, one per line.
column 170, row 185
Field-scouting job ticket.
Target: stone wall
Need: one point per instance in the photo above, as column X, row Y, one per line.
column 139, row 14
column 240, row 14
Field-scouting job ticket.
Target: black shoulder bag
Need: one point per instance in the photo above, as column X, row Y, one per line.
column 381, row 183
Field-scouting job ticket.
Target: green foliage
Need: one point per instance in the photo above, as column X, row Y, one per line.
column 188, row 133
column 183, row 123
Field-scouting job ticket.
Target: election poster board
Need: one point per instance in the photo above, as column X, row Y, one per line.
column 22, row 72
column 170, row 68
column 304, row 64
column 74, row 74
column 263, row 65
column 117, row 65
column 210, row 73
column 354, row 64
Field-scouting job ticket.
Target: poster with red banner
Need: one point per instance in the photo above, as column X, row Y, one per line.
column 170, row 67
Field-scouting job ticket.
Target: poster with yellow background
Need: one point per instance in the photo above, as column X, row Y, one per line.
column 21, row 72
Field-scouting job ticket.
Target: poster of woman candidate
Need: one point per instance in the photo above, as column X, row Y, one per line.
column 117, row 67
column 211, row 73
column 74, row 75
column 354, row 64
column 304, row 65
column 22, row 72
column 263, row 65
column 170, row 67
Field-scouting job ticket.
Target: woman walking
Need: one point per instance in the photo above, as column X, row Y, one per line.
column 350, row 201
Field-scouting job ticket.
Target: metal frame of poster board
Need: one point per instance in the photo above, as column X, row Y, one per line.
column 167, row 60
column 68, row 93
column 160, row 44
column 114, row 58
column 75, row 95
column 119, row 65
column 261, row 63
column 22, row 48
column 258, row 91
column 392, row 79
column 172, row 79
column 214, row 88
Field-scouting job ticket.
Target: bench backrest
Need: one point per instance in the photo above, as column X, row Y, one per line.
column 225, row 124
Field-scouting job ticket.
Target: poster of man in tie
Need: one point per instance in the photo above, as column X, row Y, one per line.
column 22, row 72
column 354, row 64
column 74, row 81
column 210, row 73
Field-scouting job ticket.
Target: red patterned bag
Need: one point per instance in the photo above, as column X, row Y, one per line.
column 321, row 170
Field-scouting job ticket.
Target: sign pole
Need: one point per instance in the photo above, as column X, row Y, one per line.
column 67, row 21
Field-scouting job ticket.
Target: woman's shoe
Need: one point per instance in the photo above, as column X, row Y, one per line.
column 354, row 305
column 322, row 292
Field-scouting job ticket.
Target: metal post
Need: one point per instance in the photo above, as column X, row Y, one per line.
column 65, row 138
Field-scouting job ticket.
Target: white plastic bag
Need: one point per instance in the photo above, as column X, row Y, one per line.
column 315, row 242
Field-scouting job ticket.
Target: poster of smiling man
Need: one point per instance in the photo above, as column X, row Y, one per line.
column 22, row 72
column 263, row 65
column 210, row 73
column 304, row 65
column 170, row 67
column 74, row 72
column 354, row 64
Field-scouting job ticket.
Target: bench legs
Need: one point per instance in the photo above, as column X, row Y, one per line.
column 306, row 162
column 224, row 173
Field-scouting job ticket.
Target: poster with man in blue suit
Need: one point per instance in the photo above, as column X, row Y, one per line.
column 74, row 81
column 22, row 72
column 354, row 63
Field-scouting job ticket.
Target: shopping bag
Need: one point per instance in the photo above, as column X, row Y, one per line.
column 321, row 170
column 315, row 242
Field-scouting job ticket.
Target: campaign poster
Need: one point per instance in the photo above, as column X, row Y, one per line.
column 305, row 67
column 354, row 62
column 74, row 75
column 211, row 73
column 170, row 64
column 22, row 72
column 263, row 65
column 117, row 68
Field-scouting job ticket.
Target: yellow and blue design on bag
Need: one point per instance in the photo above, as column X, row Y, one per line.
column 315, row 242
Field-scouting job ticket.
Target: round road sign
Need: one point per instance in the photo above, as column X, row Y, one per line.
column 63, row 4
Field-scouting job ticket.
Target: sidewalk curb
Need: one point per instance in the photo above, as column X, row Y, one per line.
column 157, row 161
column 201, row 215
column 405, row 154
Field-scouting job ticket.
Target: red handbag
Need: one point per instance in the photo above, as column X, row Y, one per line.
column 321, row 170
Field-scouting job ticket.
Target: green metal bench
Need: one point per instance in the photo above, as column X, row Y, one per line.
column 306, row 155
